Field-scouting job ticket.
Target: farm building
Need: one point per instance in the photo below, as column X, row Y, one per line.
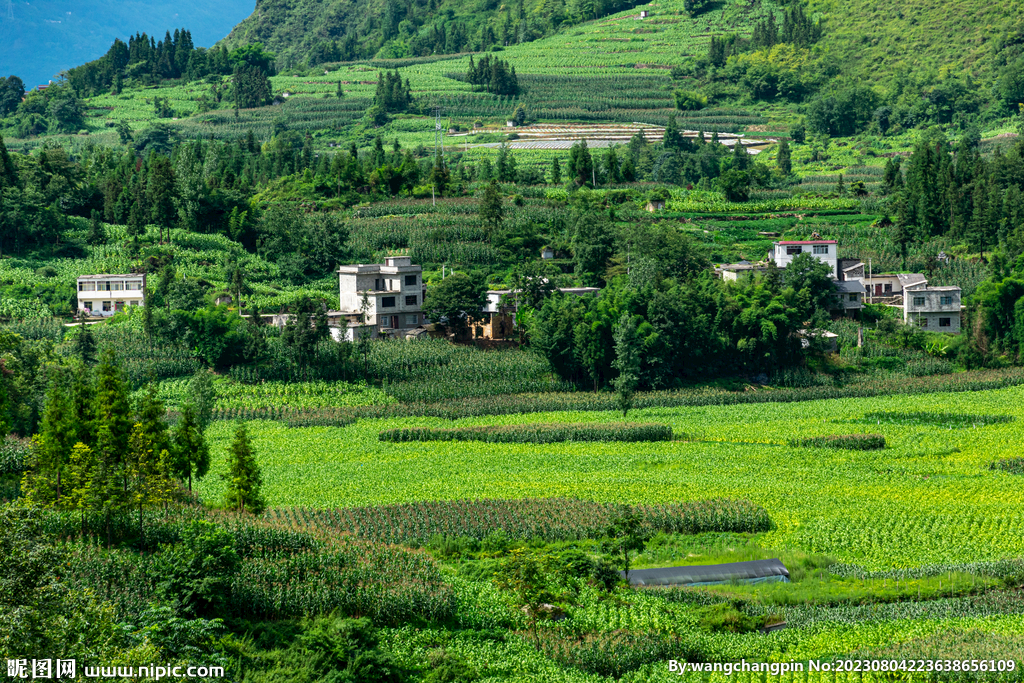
column 394, row 296
column 849, row 296
column 656, row 205
column 744, row 270
column 105, row 295
column 936, row 309
column 784, row 252
column 754, row 571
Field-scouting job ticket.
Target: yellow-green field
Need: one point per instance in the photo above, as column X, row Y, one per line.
column 929, row 497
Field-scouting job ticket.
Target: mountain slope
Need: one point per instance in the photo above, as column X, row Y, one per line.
column 48, row 36
column 879, row 38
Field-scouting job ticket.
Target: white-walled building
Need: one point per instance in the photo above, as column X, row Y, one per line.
column 784, row 252
column 394, row 294
column 936, row 309
column 105, row 295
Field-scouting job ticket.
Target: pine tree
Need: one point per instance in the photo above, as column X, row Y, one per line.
column 191, row 452
column 491, row 211
column 147, row 473
column 556, row 172
column 85, row 345
column 150, row 417
column 784, row 159
column 244, row 479
column 627, row 361
column 42, row 484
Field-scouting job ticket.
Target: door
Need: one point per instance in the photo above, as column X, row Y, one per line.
column 878, row 290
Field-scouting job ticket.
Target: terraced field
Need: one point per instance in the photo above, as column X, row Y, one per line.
column 929, row 497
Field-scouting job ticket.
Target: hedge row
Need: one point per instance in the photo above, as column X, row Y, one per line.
column 851, row 442
column 537, row 433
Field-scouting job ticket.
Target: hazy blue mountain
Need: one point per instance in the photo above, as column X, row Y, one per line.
column 39, row 38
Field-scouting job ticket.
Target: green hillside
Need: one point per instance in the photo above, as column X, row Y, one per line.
column 882, row 38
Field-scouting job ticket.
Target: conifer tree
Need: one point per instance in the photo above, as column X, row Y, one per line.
column 43, row 484
column 491, row 212
column 627, row 361
column 150, row 417
column 244, row 479
column 556, row 171
column 147, row 473
column 191, row 452
column 784, row 159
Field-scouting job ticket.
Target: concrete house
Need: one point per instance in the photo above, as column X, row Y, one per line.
column 936, row 309
column 849, row 296
column 744, row 270
column 784, row 252
column 394, row 295
column 105, row 295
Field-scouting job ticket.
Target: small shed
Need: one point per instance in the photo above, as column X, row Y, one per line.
column 643, row 14
column 656, row 205
column 547, row 253
column 754, row 571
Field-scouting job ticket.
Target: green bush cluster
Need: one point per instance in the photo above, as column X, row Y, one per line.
column 536, row 433
column 851, row 442
column 1011, row 465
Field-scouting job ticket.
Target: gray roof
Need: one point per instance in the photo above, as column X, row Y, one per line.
column 107, row 277
column 850, row 286
column 911, row 278
column 708, row 573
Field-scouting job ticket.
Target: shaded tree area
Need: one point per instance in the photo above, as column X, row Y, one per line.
column 144, row 60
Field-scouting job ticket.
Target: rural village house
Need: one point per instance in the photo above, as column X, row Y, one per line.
column 105, row 295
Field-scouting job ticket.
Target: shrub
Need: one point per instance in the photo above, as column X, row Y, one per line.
column 852, row 442
column 1011, row 465
column 688, row 100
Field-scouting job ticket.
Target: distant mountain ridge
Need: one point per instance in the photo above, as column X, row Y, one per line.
column 38, row 39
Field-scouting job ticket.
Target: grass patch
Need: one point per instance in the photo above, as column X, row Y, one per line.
column 536, row 433
column 850, row 442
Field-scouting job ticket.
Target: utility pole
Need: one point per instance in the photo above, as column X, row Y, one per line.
column 870, row 283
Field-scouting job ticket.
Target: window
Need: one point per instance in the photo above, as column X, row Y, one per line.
column 412, row 320
column 387, row 302
column 792, row 250
column 133, row 286
column 922, row 322
column 118, row 305
column 946, row 300
column 106, row 306
column 888, row 289
column 376, row 284
column 821, row 249
column 853, row 297
column 410, row 280
column 411, row 300
column 87, row 305
column 86, row 286
column 385, row 321
column 919, row 301
column 102, row 286
column 945, row 322
column 117, row 286
column 133, row 303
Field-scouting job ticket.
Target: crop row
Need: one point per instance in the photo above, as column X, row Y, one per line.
column 551, row 519
column 536, row 433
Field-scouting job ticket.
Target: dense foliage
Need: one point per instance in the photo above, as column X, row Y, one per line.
column 536, row 433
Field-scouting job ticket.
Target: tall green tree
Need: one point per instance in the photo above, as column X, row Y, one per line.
column 191, row 452
column 457, row 300
column 245, row 482
column 628, row 347
column 784, row 159
column 491, row 211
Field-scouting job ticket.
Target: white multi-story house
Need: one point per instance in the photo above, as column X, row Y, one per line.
column 393, row 291
column 936, row 309
column 105, row 295
column 784, row 252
